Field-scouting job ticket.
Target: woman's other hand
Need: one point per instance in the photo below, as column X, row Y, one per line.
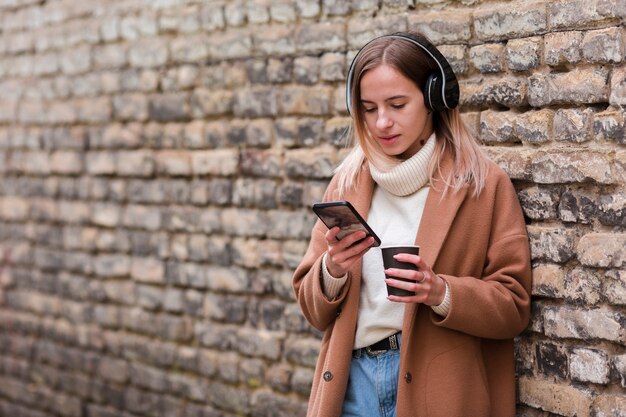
column 429, row 288
column 342, row 254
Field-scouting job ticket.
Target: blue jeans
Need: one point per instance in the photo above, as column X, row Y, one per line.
column 373, row 384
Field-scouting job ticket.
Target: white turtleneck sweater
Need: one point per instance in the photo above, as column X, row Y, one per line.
column 395, row 214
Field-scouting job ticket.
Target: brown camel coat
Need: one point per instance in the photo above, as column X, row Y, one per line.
column 458, row 366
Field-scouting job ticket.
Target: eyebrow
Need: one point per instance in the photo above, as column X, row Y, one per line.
column 387, row 99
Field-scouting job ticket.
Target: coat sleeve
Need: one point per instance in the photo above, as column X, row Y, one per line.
column 307, row 280
column 497, row 305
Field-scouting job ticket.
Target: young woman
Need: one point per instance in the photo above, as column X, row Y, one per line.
column 418, row 177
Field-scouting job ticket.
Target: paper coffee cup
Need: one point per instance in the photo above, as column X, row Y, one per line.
column 388, row 253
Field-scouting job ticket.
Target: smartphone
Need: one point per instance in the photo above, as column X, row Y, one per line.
column 344, row 215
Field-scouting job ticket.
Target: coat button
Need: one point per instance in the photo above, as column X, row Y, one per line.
column 408, row 377
column 328, row 376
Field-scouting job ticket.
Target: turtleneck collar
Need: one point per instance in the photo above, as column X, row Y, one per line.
column 408, row 176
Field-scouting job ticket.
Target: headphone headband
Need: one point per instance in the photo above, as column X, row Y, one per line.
column 441, row 90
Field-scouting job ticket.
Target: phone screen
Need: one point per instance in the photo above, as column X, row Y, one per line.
column 343, row 215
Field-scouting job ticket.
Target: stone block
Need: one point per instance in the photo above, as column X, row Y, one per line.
column 579, row 86
column 336, row 131
column 118, row 136
column 524, row 54
column 602, row 250
column 100, row 163
column 589, row 365
column 609, row 125
column 333, row 67
column 363, row 29
column 114, row 370
column 299, row 224
column 571, row 167
column 75, row 60
column 232, row 280
column 223, row 162
column 148, row 270
column 148, row 53
column 578, row 207
column 534, row 126
column 604, row 46
column 612, row 209
column 487, row 58
column 554, row 397
column 263, row 163
column 66, row 162
column 143, row 217
column 510, row 21
column 260, row 343
column 231, row 44
column 244, row 222
column 273, row 405
column 111, row 266
column 551, row 244
column 539, row 203
column 562, row 48
column 306, row 70
column 320, row 37
column 615, row 291
column 276, row 40
column 139, row 163
column 302, row 351
column 94, row 110
column 572, row 125
column 307, row 8
column 110, row 56
column 318, row 163
column 130, row 107
column 107, row 215
column 618, row 89
column 442, row 26
column 455, row 55
column 573, row 322
column 189, row 49
column 609, row 405
column 551, row 359
column 256, row 102
column 504, row 91
column 305, row 100
column 211, row 102
column 283, row 12
column 579, row 13
column 170, row 107
column 173, row 163
column 230, row 398
column 516, row 162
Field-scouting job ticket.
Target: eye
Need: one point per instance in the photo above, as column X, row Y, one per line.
column 370, row 110
column 397, row 106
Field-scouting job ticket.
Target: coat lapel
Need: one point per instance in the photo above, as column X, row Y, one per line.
column 437, row 217
column 439, row 213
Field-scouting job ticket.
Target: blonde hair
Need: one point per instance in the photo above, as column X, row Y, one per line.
column 470, row 163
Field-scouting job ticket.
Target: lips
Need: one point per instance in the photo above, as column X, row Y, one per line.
column 388, row 140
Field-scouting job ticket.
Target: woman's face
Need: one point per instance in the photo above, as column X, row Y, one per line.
column 394, row 111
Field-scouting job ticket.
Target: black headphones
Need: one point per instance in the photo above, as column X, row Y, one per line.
column 442, row 88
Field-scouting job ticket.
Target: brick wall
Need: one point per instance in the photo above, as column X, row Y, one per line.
column 157, row 163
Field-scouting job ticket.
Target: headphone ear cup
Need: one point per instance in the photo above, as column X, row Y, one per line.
column 432, row 93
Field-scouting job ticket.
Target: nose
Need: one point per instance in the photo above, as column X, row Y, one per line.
column 383, row 121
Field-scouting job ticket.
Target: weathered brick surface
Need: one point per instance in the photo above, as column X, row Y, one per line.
column 158, row 161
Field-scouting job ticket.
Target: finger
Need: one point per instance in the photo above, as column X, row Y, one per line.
column 343, row 254
column 331, row 234
column 411, row 274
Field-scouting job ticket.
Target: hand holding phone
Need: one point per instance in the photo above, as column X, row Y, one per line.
column 343, row 215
